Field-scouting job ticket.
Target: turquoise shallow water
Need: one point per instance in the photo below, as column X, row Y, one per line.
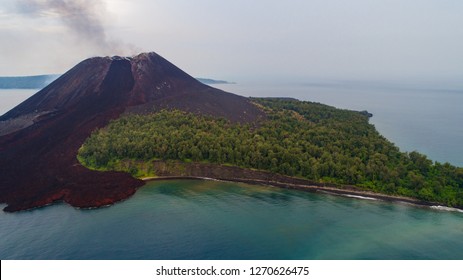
column 196, row 219
column 216, row 220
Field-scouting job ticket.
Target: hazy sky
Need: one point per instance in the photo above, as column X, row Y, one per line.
column 241, row 40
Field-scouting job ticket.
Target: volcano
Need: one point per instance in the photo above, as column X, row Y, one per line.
column 40, row 138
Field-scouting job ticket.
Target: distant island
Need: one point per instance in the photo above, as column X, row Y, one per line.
column 41, row 81
column 212, row 82
column 26, row 82
column 92, row 136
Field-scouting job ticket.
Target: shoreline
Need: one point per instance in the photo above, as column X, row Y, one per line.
column 365, row 195
column 174, row 170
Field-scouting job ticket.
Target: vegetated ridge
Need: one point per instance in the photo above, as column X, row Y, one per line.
column 303, row 140
column 40, row 138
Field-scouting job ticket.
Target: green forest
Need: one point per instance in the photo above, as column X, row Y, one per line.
column 301, row 139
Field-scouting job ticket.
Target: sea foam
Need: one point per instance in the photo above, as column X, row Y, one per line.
column 445, row 208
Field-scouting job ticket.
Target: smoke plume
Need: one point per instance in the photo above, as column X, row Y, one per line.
column 83, row 18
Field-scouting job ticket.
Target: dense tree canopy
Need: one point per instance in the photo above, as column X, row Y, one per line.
column 301, row 139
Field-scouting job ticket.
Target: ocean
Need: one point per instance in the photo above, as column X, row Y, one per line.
column 194, row 219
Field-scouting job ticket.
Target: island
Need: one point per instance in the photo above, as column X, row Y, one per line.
column 208, row 81
column 26, row 82
column 301, row 145
column 95, row 134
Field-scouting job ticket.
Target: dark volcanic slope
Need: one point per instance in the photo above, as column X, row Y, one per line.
column 160, row 84
column 42, row 135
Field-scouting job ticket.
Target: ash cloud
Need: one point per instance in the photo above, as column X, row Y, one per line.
column 83, row 18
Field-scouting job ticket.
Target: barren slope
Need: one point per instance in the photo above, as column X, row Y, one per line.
column 39, row 138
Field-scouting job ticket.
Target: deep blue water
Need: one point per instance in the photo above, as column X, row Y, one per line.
column 216, row 220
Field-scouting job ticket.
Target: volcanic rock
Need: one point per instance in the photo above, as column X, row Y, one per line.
column 40, row 137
